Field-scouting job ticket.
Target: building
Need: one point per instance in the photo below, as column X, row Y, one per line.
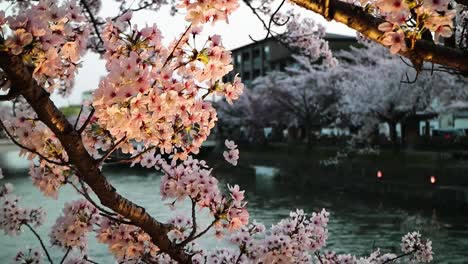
column 258, row 58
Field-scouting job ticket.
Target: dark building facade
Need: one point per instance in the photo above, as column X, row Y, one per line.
column 258, row 58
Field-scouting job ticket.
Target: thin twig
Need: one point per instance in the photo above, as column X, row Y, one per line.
column 29, row 149
column 199, row 234
column 78, row 118
column 85, row 124
column 90, row 261
column 88, row 197
column 272, row 19
column 66, row 255
column 400, row 256
column 194, row 224
column 133, row 157
column 40, row 241
column 319, row 257
column 265, row 26
column 175, row 47
column 239, row 257
column 111, row 150
column 93, row 20
column 9, row 96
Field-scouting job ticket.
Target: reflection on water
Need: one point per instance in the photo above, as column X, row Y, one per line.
column 356, row 225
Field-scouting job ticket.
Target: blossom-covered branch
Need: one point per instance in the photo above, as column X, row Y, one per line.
column 359, row 19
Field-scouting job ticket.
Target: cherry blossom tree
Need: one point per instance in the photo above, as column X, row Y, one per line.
column 153, row 94
column 301, row 95
column 304, row 94
column 378, row 87
column 251, row 113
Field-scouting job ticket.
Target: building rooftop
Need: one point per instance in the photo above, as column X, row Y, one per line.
column 328, row 36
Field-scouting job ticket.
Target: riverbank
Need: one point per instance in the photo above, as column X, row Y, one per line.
column 400, row 179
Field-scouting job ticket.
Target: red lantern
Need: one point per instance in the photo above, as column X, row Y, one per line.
column 433, row 179
column 379, row 174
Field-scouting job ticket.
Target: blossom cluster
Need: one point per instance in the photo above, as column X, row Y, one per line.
column 232, row 155
column 35, row 135
column 411, row 19
column 13, row 216
column 70, row 229
column 413, row 243
column 193, row 179
column 127, row 243
column 306, row 35
column 200, row 12
column 152, row 92
column 51, row 38
column 31, row 255
column 301, row 239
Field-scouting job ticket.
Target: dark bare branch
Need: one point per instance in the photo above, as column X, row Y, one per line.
column 86, row 123
column 40, row 241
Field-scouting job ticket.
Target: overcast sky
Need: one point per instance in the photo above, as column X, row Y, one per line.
column 235, row 34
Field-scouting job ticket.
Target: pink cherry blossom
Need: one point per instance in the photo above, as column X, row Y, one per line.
column 412, row 242
column 70, row 229
column 30, row 255
column 231, row 156
column 396, row 41
column 230, row 144
column 20, row 39
column 13, row 216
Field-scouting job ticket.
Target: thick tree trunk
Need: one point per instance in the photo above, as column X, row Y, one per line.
column 393, row 136
column 427, row 129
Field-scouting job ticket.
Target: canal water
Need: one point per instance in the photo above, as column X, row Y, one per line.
column 357, row 225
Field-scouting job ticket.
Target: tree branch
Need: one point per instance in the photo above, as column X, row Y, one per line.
column 92, row 20
column 78, row 117
column 86, row 123
column 182, row 244
column 132, row 157
column 12, row 94
column 21, row 77
column 112, row 149
column 355, row 17
column 194, row 224
column 66, row 255
column 40, row 241
column 398, row 257
column 29, row 149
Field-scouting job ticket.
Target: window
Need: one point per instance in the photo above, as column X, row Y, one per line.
column 238, row 58
column 245, row 56
column 256, row 74
column 246, row 76
column 282, row 66
column 256, row 53
column 266, row 51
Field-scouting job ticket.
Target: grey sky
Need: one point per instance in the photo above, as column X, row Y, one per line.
column 235, row 34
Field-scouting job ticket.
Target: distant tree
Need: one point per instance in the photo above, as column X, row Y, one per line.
column 304, row 94
column 378, row 87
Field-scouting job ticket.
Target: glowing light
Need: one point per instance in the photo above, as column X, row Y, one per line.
column 433, row 179
column 379, row 174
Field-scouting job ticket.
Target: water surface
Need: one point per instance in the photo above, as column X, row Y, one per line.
column 356, row 225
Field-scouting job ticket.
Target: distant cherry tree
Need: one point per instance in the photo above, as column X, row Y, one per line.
column 378, row 87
